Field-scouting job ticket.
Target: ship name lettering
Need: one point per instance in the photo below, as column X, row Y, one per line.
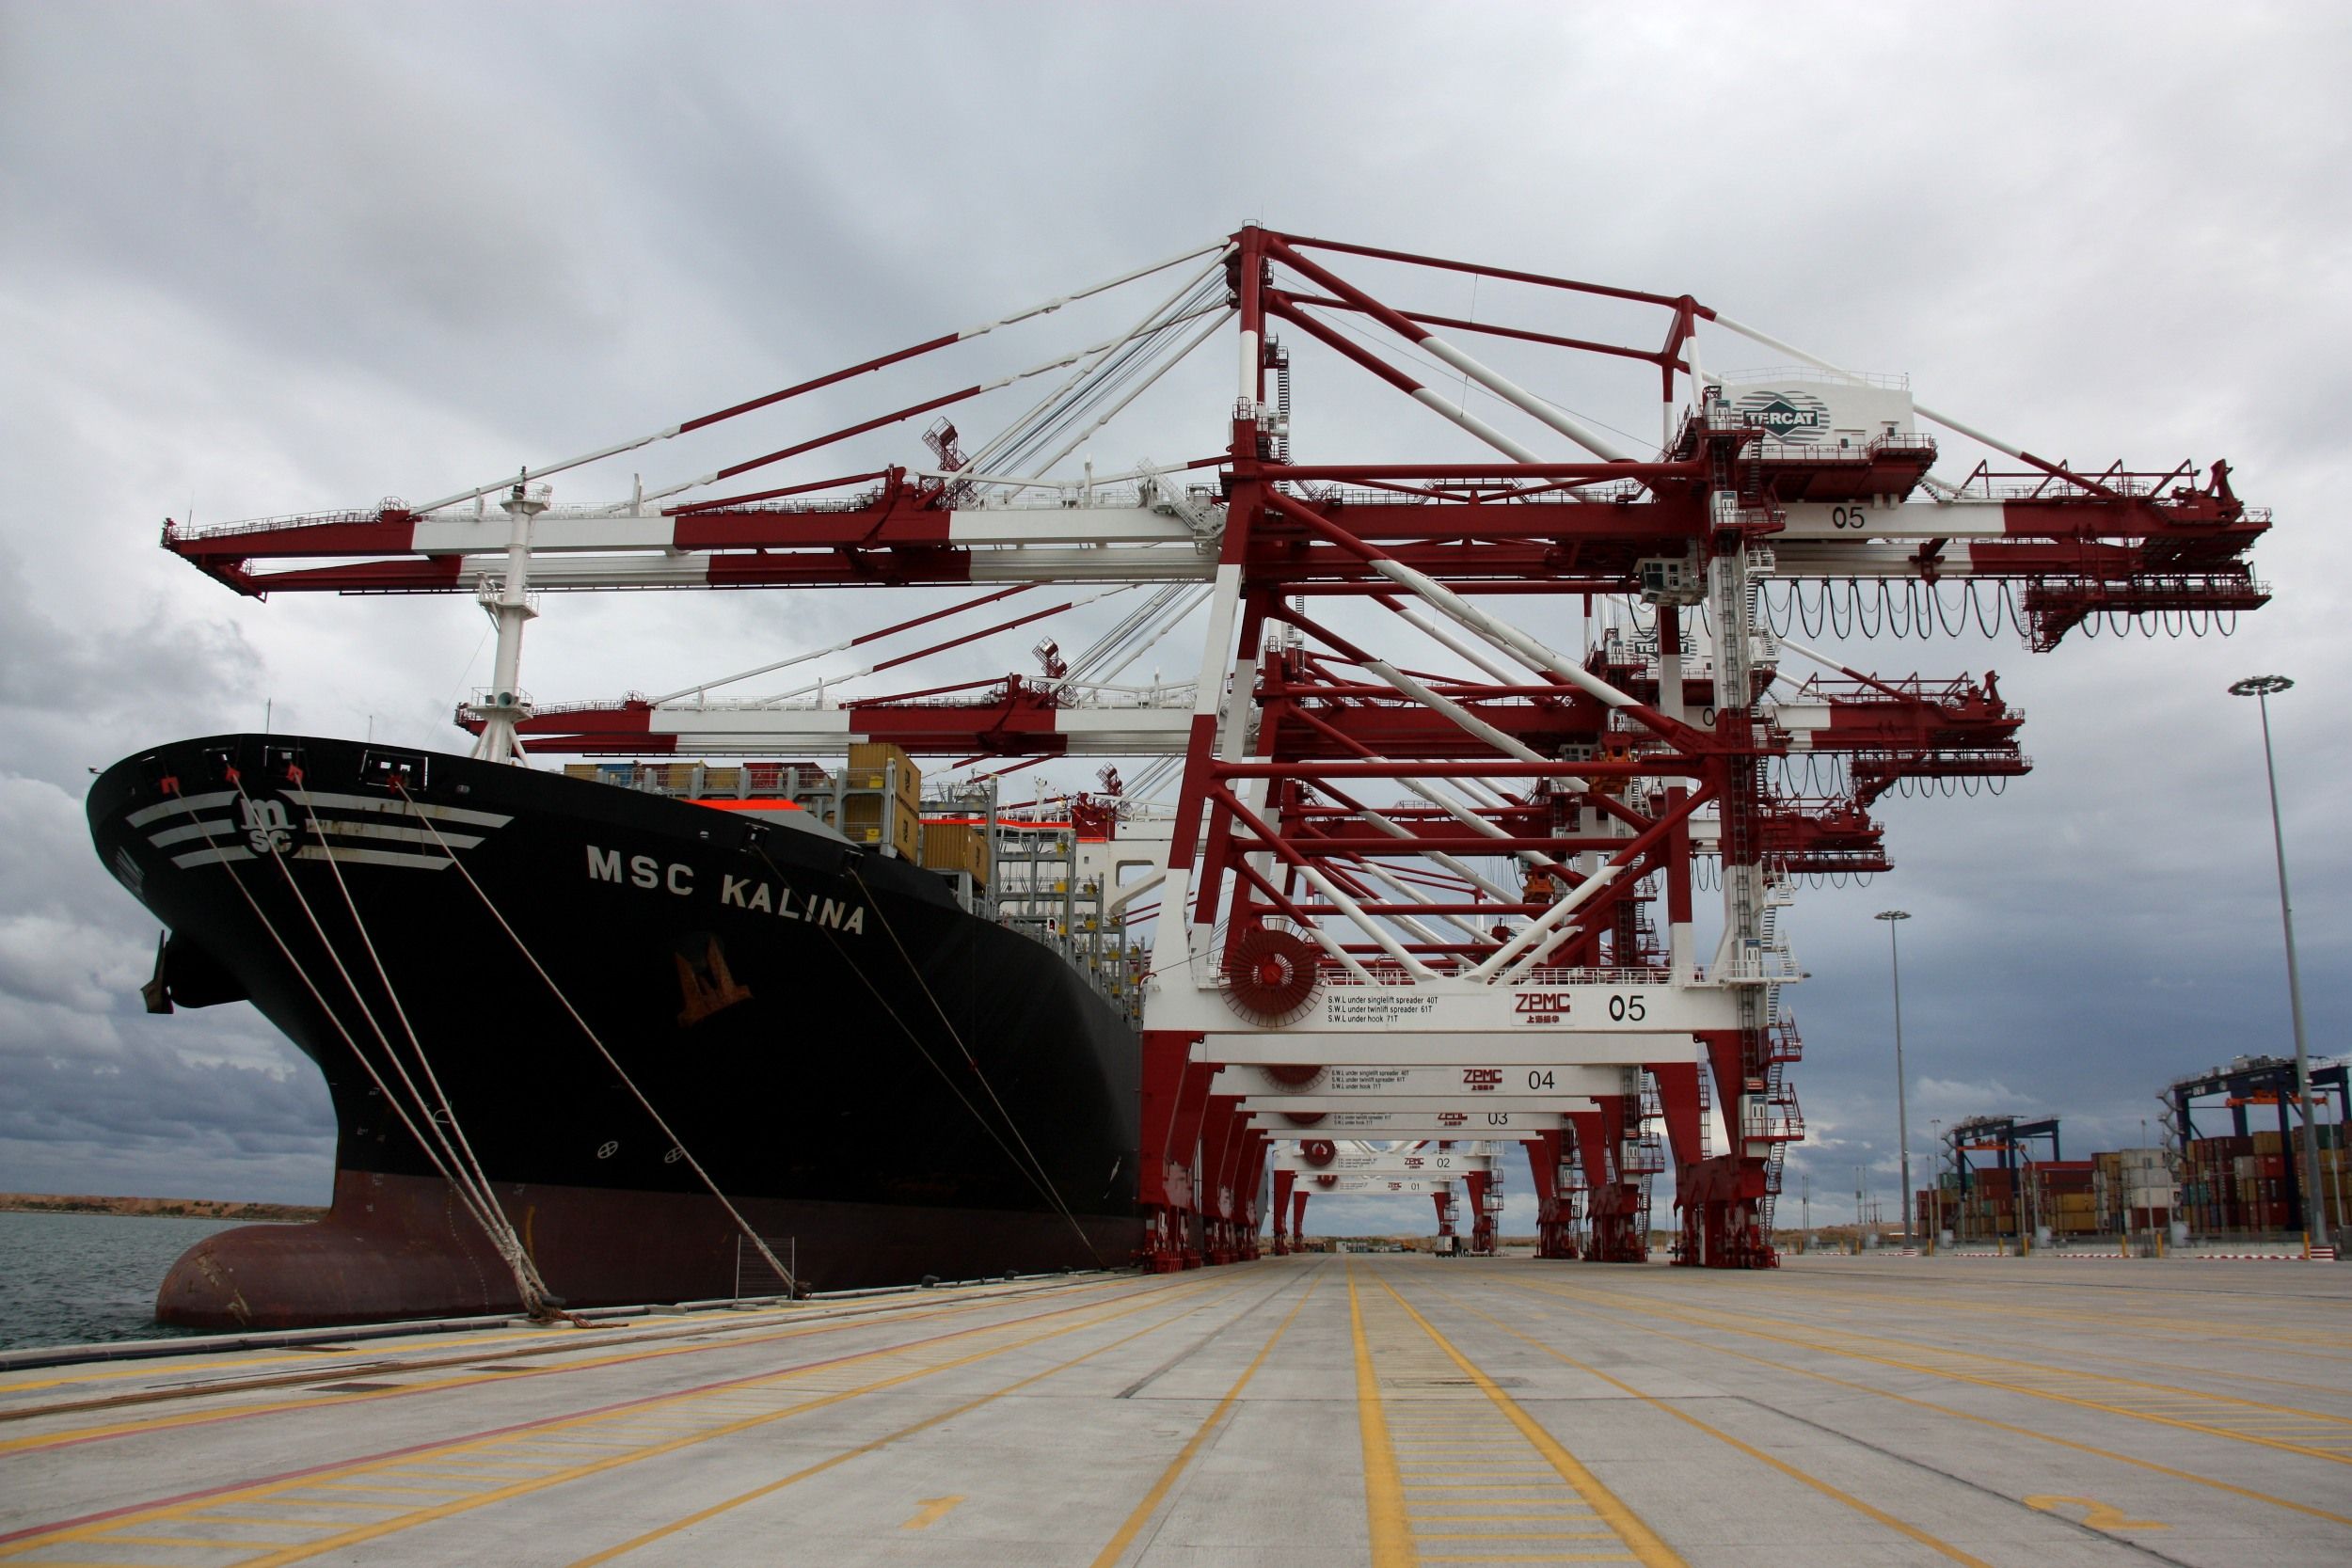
column 771, row 898
column 604, row 865
column 646, row 871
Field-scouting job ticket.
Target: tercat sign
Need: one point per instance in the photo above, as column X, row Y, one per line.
column 1785, row 416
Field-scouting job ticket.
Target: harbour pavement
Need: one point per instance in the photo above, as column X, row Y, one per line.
column 1295, row 1411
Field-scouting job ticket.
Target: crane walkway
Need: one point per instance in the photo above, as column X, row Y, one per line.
column 1310, row 1410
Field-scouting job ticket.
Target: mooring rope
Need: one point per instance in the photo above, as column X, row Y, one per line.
column 538, row 1306
column 792, row 1286
column 1053, row 1193
column 1034, row 1176
column 462, row 1152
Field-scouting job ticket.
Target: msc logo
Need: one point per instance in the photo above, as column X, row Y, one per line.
column 267, row 831
column 1785, row 416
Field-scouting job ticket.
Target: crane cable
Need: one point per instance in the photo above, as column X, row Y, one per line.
column 791, row 1285
column 533, row 1291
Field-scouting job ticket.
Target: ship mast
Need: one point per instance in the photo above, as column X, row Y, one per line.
column 508, row 601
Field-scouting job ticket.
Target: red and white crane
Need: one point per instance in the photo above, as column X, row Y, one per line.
column 1422, row 825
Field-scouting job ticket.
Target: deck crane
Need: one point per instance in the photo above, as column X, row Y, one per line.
column 1489, row 867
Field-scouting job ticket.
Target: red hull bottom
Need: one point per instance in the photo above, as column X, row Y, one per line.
column 402, row 1246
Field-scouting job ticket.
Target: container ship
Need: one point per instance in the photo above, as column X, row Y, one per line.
column 655, row 1010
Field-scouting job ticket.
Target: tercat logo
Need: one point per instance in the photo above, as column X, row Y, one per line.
column 267, row 831
column 1787, row 415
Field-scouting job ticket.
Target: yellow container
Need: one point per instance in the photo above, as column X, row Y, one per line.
column 869, row 764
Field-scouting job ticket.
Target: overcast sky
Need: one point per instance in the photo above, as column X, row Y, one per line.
column 265, row 258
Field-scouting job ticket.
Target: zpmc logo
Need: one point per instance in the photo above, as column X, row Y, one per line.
column 1787, row 415
column 267, row 831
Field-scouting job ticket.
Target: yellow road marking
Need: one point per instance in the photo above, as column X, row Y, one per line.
column 1528, row 1556
column 1940, row 1547
column 935, row 1510
column 2037, row 1385
column 216, row 1544
column 1384, row 1493
column 353, row 1532
column 2096, row 1514
column 1151, row 1500
column 2009, row 1427
column 1642, row 1545
column 590, row 1363
column 2295, row 1337
column 756, row 1493
column 2166, row 1393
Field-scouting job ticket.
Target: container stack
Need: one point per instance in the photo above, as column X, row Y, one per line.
column 2222, row 1186
column 957, row 844
column 1987, row 1208
column 2219, row 1184
column 881, row 790
column 2148, row 1195
column 2067, row 1200
column 2335, row 1177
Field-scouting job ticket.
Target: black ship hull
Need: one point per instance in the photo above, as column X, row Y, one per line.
column 886, row 1084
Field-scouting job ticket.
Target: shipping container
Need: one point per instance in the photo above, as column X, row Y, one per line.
column 870, row 761
column 957, row 847
column 863, row 823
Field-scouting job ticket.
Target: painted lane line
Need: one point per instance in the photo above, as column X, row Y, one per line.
column 1597, row 1503
column 2295, row 1341
column 2135, row 1461
column 1384, row 1514
column 798, row 1475
column 719, row 1327
column 28, row 1538
column 593, row 1363
column 1212, row 1424
column 1940, row 1547
column 2048, row 1382
column 357, row 1534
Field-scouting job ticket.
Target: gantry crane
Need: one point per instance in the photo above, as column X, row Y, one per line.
column 1490, row 868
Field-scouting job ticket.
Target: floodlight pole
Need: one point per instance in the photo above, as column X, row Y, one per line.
column 1902, row 1113
column 2262, row 688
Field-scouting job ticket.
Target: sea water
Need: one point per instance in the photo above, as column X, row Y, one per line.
column 76, row 1280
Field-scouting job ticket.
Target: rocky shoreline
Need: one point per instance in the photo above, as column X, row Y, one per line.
column 177, row 1208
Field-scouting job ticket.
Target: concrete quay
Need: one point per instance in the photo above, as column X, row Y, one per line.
column 1306, row 1411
